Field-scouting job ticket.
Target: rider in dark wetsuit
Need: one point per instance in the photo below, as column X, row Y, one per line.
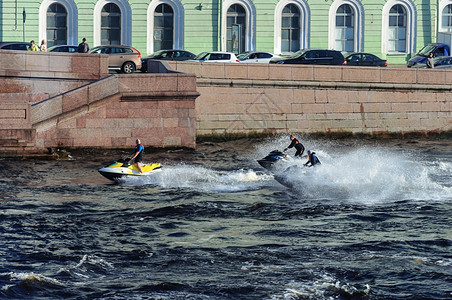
column 312, row 159
column 296, row 143
column 138, row 156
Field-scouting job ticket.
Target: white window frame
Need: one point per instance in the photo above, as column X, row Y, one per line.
column 126, row 21
column 441, row 7
column 72, row 20
column 304, row 23
column 410, row 26
column 178, row 23
column 358, row 26
column 250, row 33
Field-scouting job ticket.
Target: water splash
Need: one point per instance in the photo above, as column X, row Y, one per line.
column 204, row 179
column 367, row 176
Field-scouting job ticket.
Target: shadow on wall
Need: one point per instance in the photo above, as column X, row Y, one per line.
column 158, row 66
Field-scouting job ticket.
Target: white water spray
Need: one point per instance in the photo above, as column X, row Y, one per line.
column 368, row 176
column 205, row 179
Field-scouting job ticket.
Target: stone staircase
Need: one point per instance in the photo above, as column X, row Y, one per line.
column 17, row 142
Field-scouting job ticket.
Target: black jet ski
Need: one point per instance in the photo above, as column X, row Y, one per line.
column 122, row 168
column 290, row 176
column 275, row 160
column 295, row 175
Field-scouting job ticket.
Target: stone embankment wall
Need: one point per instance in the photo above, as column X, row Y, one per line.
column 70, row 100
column 256, row 98
column 112, row 112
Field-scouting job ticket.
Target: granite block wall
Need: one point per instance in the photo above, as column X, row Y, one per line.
column 250, row 98
column 113, row 112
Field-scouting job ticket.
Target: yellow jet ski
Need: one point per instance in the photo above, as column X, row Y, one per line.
column 122, row 168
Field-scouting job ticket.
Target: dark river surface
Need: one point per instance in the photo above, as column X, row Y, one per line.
column 372, row 222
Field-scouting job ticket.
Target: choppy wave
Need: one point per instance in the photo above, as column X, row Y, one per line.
column 324, row 287
column 363, row 226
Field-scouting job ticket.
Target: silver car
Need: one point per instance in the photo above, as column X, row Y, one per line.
column 256, row 57
column 123, row 59
column 216, row 56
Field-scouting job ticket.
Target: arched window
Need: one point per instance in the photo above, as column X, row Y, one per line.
column 446, row 18
column 345, row 31
column 290, row 29
column 236, row 29
column 163, row 27
column 346, row 26
column 164, row 16
column 238, row 23
column 399, row 27
column 56, row 31
column 110, row 25
column 397, row 37
column 58, row 22
column 292, row 23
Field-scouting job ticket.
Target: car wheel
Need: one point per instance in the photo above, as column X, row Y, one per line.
column 128, row 67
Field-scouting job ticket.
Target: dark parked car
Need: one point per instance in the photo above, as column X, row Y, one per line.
column 63, row 48
column 123, row 59
column 365, row 59
column 312, row 56
column 172, row 54
column 14, row 46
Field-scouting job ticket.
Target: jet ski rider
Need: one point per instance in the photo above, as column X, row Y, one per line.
column 312, row 159
column 138, row 156
column 296, row 143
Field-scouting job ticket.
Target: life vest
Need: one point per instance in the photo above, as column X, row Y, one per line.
column 140, row 155
column 315, row 160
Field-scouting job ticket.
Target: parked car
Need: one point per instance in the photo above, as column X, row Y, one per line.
column 256, row 57
column 172, row 54
column 63, row 48
column 216, row 56
column 14, row 46
column 438, row 49
column 442, row 62
column 123, row 59
column 365, row 59
column 312, row 56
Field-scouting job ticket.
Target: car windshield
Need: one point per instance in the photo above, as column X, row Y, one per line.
column 157, row 54
column 95, row 50
column 426, row 50
column 243, row 55
column 201, row 56
column 298, row 53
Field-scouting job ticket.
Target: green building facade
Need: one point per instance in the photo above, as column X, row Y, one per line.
column 391, row 29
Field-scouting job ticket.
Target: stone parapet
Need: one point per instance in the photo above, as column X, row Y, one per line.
column 255, row 98
column 318, row 73
column 53, row 65
column 69, row 100
column 113, row 112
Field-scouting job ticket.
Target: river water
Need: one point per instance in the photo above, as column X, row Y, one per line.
column 373, row 222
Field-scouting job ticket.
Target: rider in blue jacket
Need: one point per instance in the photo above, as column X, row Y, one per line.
column 312, row 159
column 138, row 155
